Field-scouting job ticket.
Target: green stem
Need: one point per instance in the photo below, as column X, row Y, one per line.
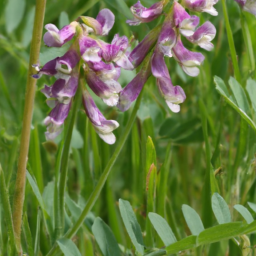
column 231, row 42
column 18, row 200
column 7, row 209
column 65, row 158
column 95, row 194
column 248, row 41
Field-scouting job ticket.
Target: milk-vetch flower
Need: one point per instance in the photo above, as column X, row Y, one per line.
column 102, row 24
column 204, row 35
column 201, row 6
column 142, row 14
column 56, row 38
column 189, row 61
column 248, row 5
column 102, row 126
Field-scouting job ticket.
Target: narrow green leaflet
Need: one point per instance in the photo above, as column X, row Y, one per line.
column 222, row 89
column 14, row 12
column 220, row 209
column 68, row 247
column 184, row 244
column 193, row 220
column 63, row 20
column 220, row 232
column 162, row 228
column 132, row 225
column 36, row 191
column 37, row 237
column 28, row 29
column 251, row 89
column 244, row 212
column 239, row 95
column 27, row 235
column 105, row 238
column 252, row 206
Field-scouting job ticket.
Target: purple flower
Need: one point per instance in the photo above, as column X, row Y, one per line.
column 55, row 120
column 107, row 90
column 248, row 5
column 60, row 67
column 201, row 6
column 133, row 89
column 173, row 95
column 142, row 14
column 139, row 53
column 188, row 60
column 167, row 39
column 184, row 21
column 116, row 52
column 56, row 38
column 102, row 24
column 102, row 126
column 204, row 35
column 89, row 49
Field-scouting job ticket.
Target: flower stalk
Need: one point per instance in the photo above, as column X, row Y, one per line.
column 95, row 194
column 28, row 111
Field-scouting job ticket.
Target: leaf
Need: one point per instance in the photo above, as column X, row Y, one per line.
column 63, row 20
column 27, row 235
column 182, row 245
column 220, row 209
column 14, row 12
column 222, row 89
column 36, row 191
column 68, row 247
column 239, row 95
column 244, row 212
column 162, row 228
column 37, row 236
column 121, row 7
column 251, row 89
column 193, row 220
column 220, row 232
column 77, row 139
column 252, row 206
column 105, row 238
column 131, row 224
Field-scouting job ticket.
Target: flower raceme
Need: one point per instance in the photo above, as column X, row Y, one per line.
column 102, row 61
column 166, row 40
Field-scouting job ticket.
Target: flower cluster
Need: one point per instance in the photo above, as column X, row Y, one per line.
column 248, row 5
column 166, row 40
column 102, row 61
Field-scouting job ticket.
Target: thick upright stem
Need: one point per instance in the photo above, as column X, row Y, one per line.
column 231, row 42
column 28, row 111
column 95, row 194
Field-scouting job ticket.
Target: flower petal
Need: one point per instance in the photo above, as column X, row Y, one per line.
column 106, row 19
column 158, row 66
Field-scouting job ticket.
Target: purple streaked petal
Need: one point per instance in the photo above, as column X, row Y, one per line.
column 102, row 126
column 106, row 19
column 120, row 41
column 187, row 59
column 139, row 53
column 107, row 90
column 158, row 66
column 179, row 14
column 133, row 89
column 241, row 2
column 64, row 90
column 187, row 26
column 142, row 14
column 58, row 114
column 47, row 91
column 87, row 42
column 202, row 6
column 49, row 68
column 167, row 39
column 204, row 35
column 55, row 131
column 173, row 95
column 56, row 38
